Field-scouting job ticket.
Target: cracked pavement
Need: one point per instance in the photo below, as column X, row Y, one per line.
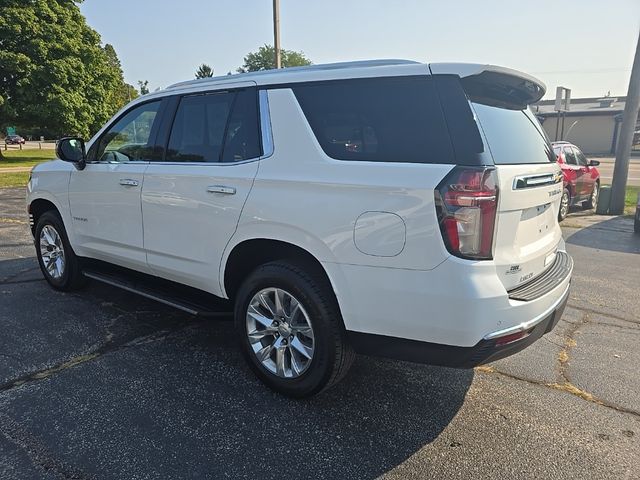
column 105, row 384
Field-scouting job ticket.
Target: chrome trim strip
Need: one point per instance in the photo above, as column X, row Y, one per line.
column 530, row 181
column 530, row 323
column 265, row 124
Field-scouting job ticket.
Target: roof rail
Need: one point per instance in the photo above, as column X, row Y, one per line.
column 311, row 68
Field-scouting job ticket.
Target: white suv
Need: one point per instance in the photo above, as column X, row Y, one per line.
column 389, row 208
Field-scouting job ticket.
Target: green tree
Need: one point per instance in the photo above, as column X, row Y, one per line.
column 144, row 86
column 55, row 76
column 265, row 59
column 204, row 71
column 125, row 92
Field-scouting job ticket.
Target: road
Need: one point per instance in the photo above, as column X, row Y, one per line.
column 606, row 171
column 104, row 384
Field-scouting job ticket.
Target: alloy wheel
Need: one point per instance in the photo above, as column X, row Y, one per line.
column 279, row 332
column 594, row 196
column 52, row 252
column 564, row 205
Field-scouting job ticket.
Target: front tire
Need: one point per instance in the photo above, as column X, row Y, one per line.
column 565, row 202
column 57, row 260
column 290, row 329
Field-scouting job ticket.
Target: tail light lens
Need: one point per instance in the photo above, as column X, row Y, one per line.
column 466, row 204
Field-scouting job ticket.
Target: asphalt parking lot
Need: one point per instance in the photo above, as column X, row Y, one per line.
column 105, row 384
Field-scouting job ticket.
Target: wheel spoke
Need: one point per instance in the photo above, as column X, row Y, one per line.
column 264, row 353
column 294, row 308
column 259, row 317
column 59, row 266
column 278, row 294
column 280, row 361
column 47, row 235
column 258, row 335
column 305, row 330
column 302, row 348
column 295, row 363
column 51, row 267
column 266, row 303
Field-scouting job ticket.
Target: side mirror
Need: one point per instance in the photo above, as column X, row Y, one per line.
column 71, row 149
column 594, row 163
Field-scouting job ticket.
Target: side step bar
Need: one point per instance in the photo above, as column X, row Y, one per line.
column 187, row 299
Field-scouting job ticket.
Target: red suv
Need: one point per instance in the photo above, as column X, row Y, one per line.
column 581, row 178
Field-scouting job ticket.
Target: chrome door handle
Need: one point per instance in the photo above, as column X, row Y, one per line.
column 129, row 182
column 221, row 189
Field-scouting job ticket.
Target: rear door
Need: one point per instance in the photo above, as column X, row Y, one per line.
column 192, row 199
column 530, row 188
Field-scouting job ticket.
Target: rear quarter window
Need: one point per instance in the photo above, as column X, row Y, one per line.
column 393, row 119
column 514, row 136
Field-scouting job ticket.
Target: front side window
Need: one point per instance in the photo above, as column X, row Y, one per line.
column 569, row 156
column 391, row 119
column 582, row 160
column 215, row 127
column 129, row 138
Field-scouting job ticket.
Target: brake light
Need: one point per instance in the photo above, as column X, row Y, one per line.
column 467, row 204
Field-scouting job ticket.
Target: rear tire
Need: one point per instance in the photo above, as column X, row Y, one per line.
column 593, row 198
column 565, row 202
column 295, row 345
column 57, row 260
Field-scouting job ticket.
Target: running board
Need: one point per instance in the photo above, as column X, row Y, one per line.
column 187, row 299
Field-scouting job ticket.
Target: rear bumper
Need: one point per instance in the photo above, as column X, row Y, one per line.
column 486, row 350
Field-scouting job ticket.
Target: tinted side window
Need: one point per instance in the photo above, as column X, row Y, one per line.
column 514, row 136
column 395, row 119
column 128, row 139
column 582, row 160
column 198, row 129
column 569, row 156
column 215, row 127
column 242, row 140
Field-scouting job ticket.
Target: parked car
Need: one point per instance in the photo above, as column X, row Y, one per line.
column 581, row 178
column 14, row 140
column 356, row 207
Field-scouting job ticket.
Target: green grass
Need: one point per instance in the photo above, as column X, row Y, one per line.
column 631, row 196
column 16, row 179
column 25, row 158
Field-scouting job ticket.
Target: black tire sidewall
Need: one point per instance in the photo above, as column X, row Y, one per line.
column 54, row 220
column 322, row 316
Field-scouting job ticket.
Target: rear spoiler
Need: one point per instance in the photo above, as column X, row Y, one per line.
column 493, row 85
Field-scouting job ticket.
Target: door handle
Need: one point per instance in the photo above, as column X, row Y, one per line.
column 129, row 182
column 221, row 189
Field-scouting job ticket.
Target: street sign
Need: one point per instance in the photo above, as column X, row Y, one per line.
column 563, row 99
column 11, row 131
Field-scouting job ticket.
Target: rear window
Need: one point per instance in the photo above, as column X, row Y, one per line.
column 514, row 136
column 393, row 119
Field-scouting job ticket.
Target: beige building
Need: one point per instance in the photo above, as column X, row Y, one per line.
column 591, row 123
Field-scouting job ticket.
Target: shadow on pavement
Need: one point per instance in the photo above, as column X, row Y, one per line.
column 615, row 234
column 174, row 398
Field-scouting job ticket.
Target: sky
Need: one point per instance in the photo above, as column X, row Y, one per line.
column 585, row 45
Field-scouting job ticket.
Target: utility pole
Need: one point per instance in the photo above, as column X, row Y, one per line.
column 276, row 32
column 623, row 151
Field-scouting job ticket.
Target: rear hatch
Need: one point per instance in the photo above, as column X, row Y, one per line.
column 529, row 182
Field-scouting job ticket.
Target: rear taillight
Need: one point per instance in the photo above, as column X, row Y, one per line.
column 467, row 203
